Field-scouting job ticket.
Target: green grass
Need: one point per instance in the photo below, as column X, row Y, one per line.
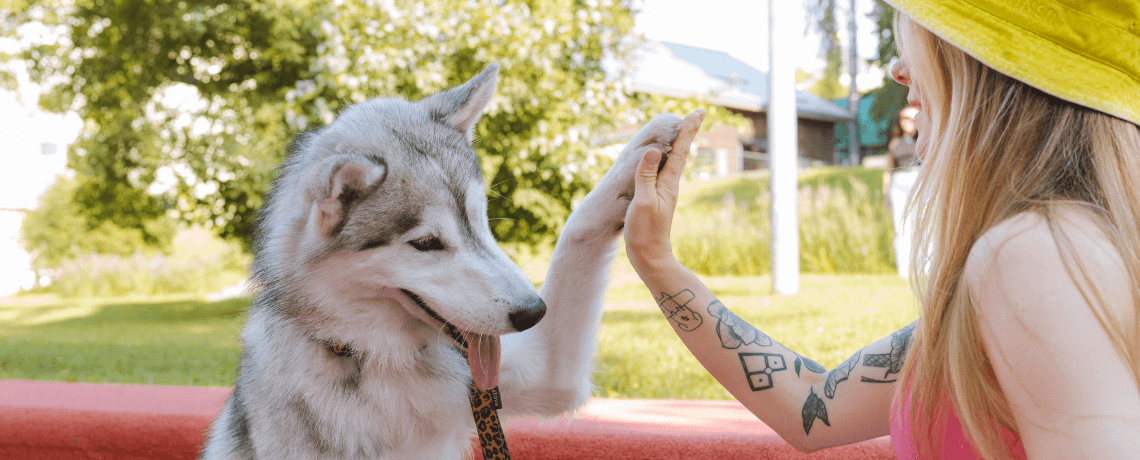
column 189, row 341
column 708, row 195
column 162, row 341
column 832, row 316
column 720, row 229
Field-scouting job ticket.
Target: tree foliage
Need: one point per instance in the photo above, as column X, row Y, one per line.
column 891, row 96
column 822, row 17
column 57, row 231
column 201, row 97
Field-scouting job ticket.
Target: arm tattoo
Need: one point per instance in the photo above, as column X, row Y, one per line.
column 893, row 361
column 840, row 374
column 809, row 364
column 758, row 367
column 733, row 331
column 675, row 307
column 814, row 409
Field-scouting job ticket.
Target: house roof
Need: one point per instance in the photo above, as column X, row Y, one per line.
column 682, row 71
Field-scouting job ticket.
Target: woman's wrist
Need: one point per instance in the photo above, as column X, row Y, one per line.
column 651, row 269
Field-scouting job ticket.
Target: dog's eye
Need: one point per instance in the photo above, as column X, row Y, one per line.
column 427, row 243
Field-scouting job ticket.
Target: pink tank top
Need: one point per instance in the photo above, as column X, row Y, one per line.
column 953, row 445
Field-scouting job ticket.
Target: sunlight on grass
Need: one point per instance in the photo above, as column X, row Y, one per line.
column 639, row 355
column 168, row 340
column 189, row 341
column 185, row 340
column 31, row 315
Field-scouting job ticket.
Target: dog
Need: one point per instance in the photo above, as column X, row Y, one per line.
column 377, row 272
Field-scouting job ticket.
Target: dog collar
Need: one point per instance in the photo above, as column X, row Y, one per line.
column 484, row 407
column 340, row 348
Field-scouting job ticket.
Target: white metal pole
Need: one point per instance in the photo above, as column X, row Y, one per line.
column 853, row 92
column 782, row 147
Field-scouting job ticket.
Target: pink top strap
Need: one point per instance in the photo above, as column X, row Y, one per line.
column 953, row 444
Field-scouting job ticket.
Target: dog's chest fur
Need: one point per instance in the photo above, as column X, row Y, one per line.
column 408, row 403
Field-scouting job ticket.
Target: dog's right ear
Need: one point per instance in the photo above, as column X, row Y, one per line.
column 341, row 184
column 462, row 106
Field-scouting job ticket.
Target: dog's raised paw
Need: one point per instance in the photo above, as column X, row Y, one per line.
column 660, row 132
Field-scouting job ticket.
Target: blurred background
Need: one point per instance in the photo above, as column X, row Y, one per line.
column 140, row 135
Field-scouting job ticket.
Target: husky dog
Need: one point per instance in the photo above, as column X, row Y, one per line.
column 378, row 270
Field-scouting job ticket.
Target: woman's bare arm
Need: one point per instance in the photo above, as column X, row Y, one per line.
column 809, row 406
column 1070, row 392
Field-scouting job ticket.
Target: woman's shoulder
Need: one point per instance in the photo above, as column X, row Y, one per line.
column 1055, row 312
column 1033, row 256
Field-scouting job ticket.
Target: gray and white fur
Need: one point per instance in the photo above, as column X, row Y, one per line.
column 373, row 221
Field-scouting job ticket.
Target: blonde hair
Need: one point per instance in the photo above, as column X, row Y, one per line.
column 997, row 147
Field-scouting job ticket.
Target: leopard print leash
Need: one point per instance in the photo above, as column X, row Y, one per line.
column 491, row 438
column 484, row 404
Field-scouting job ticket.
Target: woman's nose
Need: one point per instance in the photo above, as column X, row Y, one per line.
column 900, row 72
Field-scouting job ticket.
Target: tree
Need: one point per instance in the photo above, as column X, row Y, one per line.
column 57, row 231
column 891, row 96
column 206, row 94
column 822, row 18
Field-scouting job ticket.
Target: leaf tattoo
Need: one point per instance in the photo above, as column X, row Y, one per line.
column 733, row 331
column 840, row 374
column 809, row 364
column 814, row 409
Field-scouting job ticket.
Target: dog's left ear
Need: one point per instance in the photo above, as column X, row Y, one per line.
column 344, row 181
column 461, row 106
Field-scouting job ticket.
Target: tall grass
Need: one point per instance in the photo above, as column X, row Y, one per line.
column 198, row 264
column 106, row 276
column 724, row 227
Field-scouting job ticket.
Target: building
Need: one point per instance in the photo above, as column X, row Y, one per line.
column 873, row 134
column 685, row 72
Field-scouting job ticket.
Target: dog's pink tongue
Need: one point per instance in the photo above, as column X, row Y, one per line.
column 483, row 357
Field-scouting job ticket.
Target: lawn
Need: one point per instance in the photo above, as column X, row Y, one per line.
column 163, row 341
column 190, row 341
column 721, row 227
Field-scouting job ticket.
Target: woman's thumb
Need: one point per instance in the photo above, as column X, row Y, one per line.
column 646, row 181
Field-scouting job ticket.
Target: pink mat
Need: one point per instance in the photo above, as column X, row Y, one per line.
column 58, row 420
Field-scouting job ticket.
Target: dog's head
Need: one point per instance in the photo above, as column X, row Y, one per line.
column 387, row 206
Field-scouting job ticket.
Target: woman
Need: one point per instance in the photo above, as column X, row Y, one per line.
column 1028, row 223
column 898, row 180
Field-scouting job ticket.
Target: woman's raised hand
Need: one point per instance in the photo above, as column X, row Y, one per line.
column 650, row 215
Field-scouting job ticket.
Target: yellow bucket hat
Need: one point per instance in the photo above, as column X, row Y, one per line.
column 1083, row 51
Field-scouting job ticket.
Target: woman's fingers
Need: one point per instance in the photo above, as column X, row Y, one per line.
column 670, row 176
column 646, row 183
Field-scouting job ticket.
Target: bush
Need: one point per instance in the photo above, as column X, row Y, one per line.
column 104, row 276
column 199, row 263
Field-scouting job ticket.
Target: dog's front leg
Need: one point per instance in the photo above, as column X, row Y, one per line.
column 546, row 369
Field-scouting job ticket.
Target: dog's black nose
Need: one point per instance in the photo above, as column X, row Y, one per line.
column 526, row 317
